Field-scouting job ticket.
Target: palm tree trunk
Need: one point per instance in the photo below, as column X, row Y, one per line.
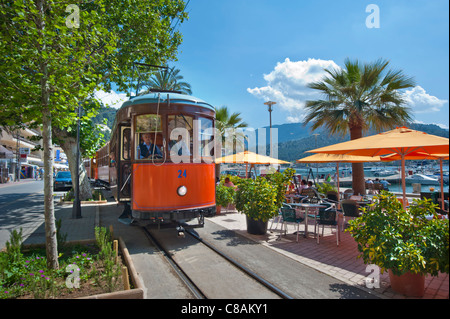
column 358, row 181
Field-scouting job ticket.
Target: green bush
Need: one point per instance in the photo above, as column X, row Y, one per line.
column 402, row 240
column 224, row 195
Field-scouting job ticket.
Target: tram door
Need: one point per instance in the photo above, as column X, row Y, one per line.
column 124, row 173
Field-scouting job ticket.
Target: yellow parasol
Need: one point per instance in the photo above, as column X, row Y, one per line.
column 248, row 157
column 401, row 141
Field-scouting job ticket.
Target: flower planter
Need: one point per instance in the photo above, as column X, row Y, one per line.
column 218, row 209
column 408, row 284
column 256, row 227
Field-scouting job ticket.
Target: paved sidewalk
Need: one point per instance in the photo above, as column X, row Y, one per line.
column 76, row 229
column 340, row 261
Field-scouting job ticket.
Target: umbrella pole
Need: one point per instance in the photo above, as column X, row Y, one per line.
column 442, row 185
column 337, row 178
column 403, row 179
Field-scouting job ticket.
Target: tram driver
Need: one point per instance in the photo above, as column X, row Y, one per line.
column 147, row 148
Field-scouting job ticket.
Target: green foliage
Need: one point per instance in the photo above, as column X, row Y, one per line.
column 323, row 188
column 14, row 246
column 107, row 256
column 402, row 240
column 257, row 198
column 26, row 273
column 281, row 181
column 224, row 195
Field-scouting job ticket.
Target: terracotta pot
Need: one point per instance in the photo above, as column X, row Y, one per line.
column 218, row 209
column 412, row 285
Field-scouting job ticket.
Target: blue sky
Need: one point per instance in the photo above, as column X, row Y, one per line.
column 241, row 53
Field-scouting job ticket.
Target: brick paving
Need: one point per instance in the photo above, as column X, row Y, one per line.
column 340, row 261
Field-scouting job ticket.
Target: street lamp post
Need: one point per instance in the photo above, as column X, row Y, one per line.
column 76, row 209
column 269, row 104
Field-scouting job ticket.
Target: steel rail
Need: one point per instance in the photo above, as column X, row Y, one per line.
column 182, row 275
column 252, row 274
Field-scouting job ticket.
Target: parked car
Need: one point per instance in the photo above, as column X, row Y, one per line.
column 63, row 181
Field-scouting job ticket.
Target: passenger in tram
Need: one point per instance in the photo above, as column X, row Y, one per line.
column 146, row 148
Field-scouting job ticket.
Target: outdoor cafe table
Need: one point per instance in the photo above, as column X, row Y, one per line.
column 293, row 197
column 307, row 207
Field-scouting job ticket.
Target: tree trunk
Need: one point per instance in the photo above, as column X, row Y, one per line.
column 49, row 209
column 358, row 181
column 69, row 146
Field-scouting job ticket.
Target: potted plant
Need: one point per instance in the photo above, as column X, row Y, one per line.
column 409, row 243
column 224, row 196
column 260, row 199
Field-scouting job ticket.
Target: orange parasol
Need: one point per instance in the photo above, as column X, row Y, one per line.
column 423, row 156
column 401, row 141
column 338, row 158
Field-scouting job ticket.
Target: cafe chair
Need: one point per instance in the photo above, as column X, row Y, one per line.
column 350, row 208
column 348, row 193
column 333, row 196
column 311, row 196
column 327, row 217
column 289, row 216
column 277, row 218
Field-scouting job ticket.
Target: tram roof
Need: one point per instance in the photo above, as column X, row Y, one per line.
column 164, row 96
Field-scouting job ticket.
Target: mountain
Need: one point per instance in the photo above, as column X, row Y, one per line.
column 291, row 149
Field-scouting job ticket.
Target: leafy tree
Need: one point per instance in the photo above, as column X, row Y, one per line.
column 53, row 56
column 356, row 98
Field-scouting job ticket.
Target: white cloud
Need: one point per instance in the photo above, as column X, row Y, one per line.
column 287, row 84
column 111, row 99
column 421, row 102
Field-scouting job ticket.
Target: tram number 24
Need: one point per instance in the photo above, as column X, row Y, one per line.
column 182, row 173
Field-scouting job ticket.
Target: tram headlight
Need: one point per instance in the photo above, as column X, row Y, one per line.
column 182, row 190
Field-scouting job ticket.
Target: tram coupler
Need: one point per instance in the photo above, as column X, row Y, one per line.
column 180, row 231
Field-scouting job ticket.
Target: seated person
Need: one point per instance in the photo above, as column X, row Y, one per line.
column 303, row 185
column 147, row 148
column 228, row 183
column 385, row 184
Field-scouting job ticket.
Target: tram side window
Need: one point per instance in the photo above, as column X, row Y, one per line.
column 206, row 144
column 149, row 136
column 180, row 129
column 126, row 143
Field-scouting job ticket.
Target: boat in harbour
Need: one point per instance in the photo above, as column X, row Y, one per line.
column 422, row 179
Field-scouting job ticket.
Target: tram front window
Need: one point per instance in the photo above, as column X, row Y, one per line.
column 180, row 137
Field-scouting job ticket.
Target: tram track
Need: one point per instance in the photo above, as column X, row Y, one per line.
column 215, row 274
column 195, row 291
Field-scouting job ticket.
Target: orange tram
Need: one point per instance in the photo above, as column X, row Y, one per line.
column 159, row 162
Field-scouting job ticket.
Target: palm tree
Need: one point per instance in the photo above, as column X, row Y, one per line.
column 224, row 124
column 357, row 98
column 168, row 79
